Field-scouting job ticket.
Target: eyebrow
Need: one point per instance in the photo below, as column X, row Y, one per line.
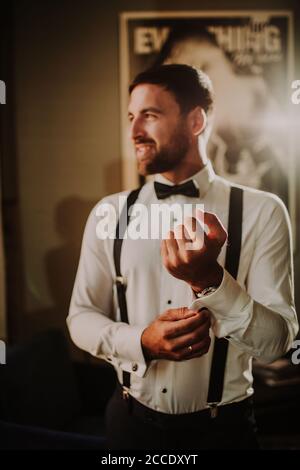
column 148, row 110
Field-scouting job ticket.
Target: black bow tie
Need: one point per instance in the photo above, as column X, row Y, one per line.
column 164, row 190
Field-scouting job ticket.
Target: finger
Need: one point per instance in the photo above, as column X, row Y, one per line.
column 193, row 338
column 185, row 326
column 184, row 239
column 180, row 313
column 199, row 349
column 205, row 313
column 171, row 245
column 164, row 251
column 214, row 227
column 195, row 233
column 181, row 237
column 177, row 314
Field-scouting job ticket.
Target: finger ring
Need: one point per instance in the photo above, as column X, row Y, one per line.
column 190, row 348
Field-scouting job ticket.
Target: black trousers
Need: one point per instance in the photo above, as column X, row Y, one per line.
column 125, row 430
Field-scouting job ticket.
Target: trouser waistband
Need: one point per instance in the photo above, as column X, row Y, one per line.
column 232, row 411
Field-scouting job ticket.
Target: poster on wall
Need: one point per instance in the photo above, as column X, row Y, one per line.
column 249, row 58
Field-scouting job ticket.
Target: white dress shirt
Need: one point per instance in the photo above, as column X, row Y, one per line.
column 256, row 313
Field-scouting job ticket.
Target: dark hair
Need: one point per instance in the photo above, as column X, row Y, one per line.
column 190, row 86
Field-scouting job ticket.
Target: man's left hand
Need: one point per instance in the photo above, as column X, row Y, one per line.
column 190, row 254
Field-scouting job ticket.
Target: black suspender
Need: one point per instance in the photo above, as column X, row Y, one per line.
column 120, row 282
column 231, row 265
column 232, row 260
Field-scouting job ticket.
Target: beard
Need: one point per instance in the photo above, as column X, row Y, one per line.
column 168, row 157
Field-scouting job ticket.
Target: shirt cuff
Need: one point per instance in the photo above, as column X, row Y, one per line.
column 129, row 349
column 230, row 305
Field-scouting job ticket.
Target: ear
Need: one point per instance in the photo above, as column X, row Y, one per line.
column 198, row 120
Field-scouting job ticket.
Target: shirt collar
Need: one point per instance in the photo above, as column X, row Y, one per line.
column 202, row 179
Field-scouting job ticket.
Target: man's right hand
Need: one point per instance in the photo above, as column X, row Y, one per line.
column 171, row 334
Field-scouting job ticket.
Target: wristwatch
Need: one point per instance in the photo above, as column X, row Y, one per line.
column 206, row 291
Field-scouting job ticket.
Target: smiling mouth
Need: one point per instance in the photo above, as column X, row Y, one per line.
column 143, row 150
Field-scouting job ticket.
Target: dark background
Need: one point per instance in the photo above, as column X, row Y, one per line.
column 60, row 140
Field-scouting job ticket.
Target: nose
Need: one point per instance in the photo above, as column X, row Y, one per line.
column 136, row 129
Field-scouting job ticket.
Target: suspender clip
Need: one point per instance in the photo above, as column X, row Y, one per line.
column 125, row 393
column 213, row 410
column 120, row 280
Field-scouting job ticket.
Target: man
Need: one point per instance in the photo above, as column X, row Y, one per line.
column 185, row 332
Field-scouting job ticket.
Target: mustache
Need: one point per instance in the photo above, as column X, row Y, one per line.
column 142, row 140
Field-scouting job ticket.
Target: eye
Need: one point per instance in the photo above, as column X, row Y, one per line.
column 130, row 117
column 150, row 116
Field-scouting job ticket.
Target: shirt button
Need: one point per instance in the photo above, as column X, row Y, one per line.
column 169, row 302
column 134, row 367
column 164, row 390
